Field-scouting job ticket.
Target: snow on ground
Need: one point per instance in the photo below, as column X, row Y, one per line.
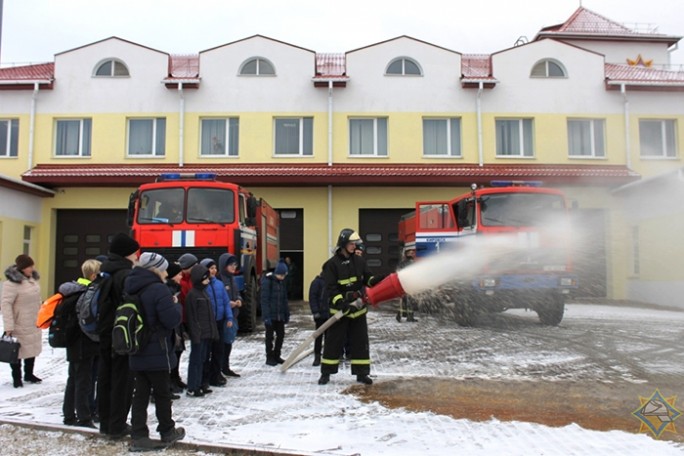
column 270, row 411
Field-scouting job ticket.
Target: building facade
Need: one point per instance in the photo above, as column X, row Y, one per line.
column 343, row 140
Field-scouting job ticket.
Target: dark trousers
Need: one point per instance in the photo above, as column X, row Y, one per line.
column 318, row 343
column 277, row 329
column 114, row 389
column 157, row 383
column 198, row 353
column 212, row 367
column 78, row 389
column 355, row 332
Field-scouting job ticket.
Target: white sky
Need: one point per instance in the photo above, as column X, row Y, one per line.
column 35, row 30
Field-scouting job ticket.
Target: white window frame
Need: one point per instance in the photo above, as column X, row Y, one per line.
column 231, row 140
column 11, row 147
column 258, row 71
column 547, row 74
column 378, row 150
column 521, row 151
column 305, row 128
column 403, row 72
column 112, row 70
column 157, row 149
column 597, row 138
column 668, row 139
column 85, row 135
column 453, row 138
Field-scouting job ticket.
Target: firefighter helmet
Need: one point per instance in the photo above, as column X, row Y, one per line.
column 347, row 235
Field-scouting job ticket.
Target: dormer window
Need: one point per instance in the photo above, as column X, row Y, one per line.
column 111, row 68
column 403, row 66
column 257, row 66
column 548, row 68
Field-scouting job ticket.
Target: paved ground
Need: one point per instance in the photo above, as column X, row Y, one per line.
column 509, row 362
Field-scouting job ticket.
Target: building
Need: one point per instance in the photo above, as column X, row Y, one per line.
column 341, row 140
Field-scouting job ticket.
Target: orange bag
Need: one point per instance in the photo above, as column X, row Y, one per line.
column 47, row 311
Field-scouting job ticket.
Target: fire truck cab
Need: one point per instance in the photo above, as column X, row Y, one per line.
column 195, row 213
column 538, row 276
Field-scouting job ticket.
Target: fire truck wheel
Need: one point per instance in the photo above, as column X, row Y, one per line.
column 551, row 312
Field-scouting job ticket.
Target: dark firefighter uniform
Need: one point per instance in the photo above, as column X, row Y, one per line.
column 345, row 275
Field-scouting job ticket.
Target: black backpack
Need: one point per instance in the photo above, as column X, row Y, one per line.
column 130, row 333
column 88, row 304
column 64, row 326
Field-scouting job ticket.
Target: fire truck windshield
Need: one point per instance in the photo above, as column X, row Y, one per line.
column 204, row 205
column 520, row 209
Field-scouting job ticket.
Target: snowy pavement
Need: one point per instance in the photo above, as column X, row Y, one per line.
column 269, row 411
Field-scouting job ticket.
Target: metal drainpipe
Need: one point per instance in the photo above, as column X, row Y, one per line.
column 330, row 161
column 628, row 148
column 181, row 121
column 480, row 152
column 32, row 123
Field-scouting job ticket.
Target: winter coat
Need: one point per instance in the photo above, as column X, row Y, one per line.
column 179, row 340
column 219, row 300
column 343, row 274
column 200, row 321
column 318, row 299
column 118, row 267
column 274, row 305
column 81, row 347
column 160, row 314
column 20, row 303
column 230, row 285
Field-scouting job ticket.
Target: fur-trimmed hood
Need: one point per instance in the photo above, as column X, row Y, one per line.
column 15, row 275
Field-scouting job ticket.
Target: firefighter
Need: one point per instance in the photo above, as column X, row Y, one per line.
column 406, row 303
column 345, row 275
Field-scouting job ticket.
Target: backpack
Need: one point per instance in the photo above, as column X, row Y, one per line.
column 47, row 310
column 130, row 333
column 64, row 327
column 88, row 304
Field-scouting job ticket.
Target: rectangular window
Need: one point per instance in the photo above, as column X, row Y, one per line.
column 73, row 138
column 9, row 137
column 586, row 138
column 147, row 137
column 26, row 249
column 442, row 137
column 220, row 137
column 368, row 137
column 514, row 138
column 657, row 138
column 294, row 136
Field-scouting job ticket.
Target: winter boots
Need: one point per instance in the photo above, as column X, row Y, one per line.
column 365, row 379
column 317, row 359
column 28, row 371
column 173, row 436
column 325, row 378
column 16, row 374
column 168, row 439
column 226, row 362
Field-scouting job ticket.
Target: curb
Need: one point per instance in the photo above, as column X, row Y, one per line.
column 235, row 450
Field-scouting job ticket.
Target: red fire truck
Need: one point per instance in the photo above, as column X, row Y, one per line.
column 195, row 213
column 536, row 276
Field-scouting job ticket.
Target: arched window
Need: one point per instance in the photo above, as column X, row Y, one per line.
column 548, row 68
column 403, row 66
column 257, row 66
column 111, row 68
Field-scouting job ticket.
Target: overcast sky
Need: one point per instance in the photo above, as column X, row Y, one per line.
column 35, row 30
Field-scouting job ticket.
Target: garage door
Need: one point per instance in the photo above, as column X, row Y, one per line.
column 379, row 230
column 83, row 234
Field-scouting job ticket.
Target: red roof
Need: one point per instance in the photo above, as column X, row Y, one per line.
column 638, row 74
column 586, row 24
column 36, row 72
column 310, row 174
